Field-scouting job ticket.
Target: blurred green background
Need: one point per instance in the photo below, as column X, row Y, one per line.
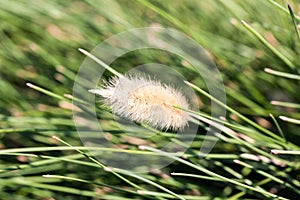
column 39, row 44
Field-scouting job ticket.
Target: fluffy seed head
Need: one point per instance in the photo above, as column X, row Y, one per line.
column 146, row 101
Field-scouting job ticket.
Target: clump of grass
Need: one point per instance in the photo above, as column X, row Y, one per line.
column 255, row 45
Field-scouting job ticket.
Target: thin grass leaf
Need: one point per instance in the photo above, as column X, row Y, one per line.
column 47, row 92
column 288, row 119
column 282, row 74
column 278, row 127
column 268, row 45
column 282, row 8
column 291, row 152
column 196, row 176
column 100, row 62
column 285, row 104
column 294, row 21
column 160, row 194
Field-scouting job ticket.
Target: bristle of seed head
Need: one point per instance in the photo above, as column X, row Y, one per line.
column 145, row 101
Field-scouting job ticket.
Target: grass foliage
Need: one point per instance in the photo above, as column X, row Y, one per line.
column 256, row 46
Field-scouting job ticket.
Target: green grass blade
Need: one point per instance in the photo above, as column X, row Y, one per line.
column 288, row 119
column 268, row 45
column 282, row 74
